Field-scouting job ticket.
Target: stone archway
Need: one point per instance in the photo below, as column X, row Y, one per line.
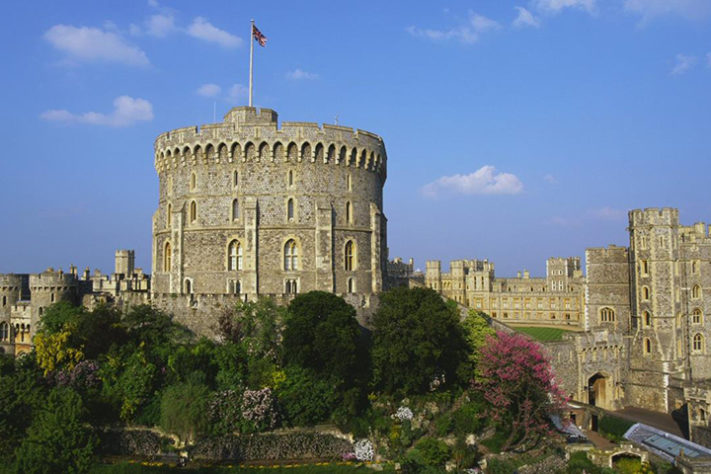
column 598, row 390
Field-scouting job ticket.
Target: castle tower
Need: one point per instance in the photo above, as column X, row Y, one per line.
column 50, row 287
column 248, row 208
column 433, row 275
column 124, row 263
column 656, row 364
column 10, row 293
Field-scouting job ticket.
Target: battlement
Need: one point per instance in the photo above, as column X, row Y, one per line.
column 10, row 281
column 693, row 233
column 251, row 135
column 654, row 216
column 52, row 278
column 612, row 253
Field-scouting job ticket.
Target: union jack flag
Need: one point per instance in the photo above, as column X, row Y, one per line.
column 257, row 35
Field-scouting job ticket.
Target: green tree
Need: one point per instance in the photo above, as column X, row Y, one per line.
column 476, row 330
column 323, row 335
column 58, row 440
column 305, row 398
column 23, row 392
column 183, row 410
column 418, row 342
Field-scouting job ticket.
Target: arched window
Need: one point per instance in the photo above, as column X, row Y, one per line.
column 290, row 209
column 349, row 213
column 188, row 286
column 349, row 182
column 349, row 256
column 291, row 255
column 607, row 315
column 645, row 293
column 351, row 285
column 167, row 257
column 51, row 297
column 4, row 331
column 235, row 210
column 235, row 287
column 234, row 256
column 169, row 217
column 644, row 266
column 193, row 181
column 647, row 345
column 696, row 292
column 235, row 179
column 697, row 316
column 193, row 211
column 698, row 343
column 290, row 178
column 290, row 287
column 647, row 318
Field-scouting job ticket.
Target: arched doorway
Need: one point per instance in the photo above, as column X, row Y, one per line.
column 597, row 390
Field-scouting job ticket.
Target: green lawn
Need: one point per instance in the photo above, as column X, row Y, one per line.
column 543, row 334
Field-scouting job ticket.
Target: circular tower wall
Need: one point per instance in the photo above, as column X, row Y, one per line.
column 248, row 208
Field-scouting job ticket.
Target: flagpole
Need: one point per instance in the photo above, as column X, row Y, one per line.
column 251, row 58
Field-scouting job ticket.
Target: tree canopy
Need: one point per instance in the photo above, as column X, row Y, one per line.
column 323, row 335
column 418, row 343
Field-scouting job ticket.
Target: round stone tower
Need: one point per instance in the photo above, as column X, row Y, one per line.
column 248, row 208
column 10, row 291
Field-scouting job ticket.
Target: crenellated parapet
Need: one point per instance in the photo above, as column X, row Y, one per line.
column 665, row 216
column 52, row 279
column 10, row 282
column 251, row 135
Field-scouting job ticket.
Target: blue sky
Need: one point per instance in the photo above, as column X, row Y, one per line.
column 515, row 130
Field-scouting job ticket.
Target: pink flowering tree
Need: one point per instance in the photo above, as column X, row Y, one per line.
column 517, row 381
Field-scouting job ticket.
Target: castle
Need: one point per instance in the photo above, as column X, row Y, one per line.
column 639, row 314
column 247, row 208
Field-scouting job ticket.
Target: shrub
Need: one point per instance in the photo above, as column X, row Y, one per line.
column 182, row 410
column 224, row 410
column 431, row 452
column 57, row 440
column 614, row 428
column 130, row 442
column 267, row 447
column 259, row 409
column 304, row 398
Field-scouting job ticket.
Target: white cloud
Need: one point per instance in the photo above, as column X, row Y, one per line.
column 525, row 18
column 237, row 92
column 683, row 64
column 204, row 30
column 209, row 90
column 555, row 6
column 608, row 213
column 690, row 9
column 485, row 180
column 468, row 33
column 134, row 30
column 93, row 44
column 160, row 25
column 153, row 3
column 549, row 178
column 298, row 74
column 127, row 111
